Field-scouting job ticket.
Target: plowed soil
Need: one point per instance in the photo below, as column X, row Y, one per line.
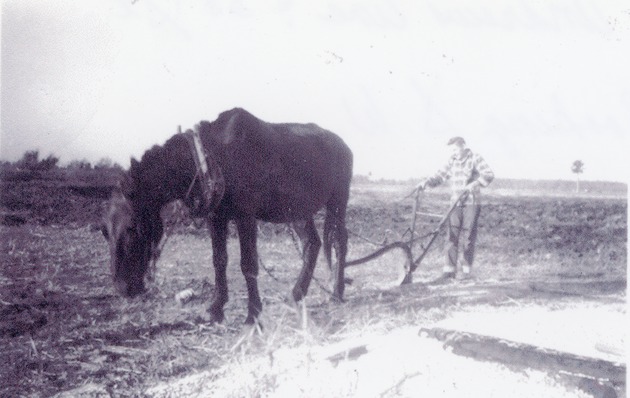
column 63, row 328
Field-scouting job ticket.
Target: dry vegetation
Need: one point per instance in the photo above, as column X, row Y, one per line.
column 62, row 327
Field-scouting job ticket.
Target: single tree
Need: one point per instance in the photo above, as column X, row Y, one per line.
column 49, row 163
column 82, row 164
column 103, row 163
column 577, row 168
column 29, row 160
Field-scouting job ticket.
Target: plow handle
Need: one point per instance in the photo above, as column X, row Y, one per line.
column 437, row 230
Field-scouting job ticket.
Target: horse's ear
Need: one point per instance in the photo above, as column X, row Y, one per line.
column 126, row 183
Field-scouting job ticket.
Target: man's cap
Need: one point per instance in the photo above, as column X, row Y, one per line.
column 456, row 140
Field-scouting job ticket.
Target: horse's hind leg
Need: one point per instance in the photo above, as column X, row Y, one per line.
column 336, row 237
column 311, row 243
column 247, row 232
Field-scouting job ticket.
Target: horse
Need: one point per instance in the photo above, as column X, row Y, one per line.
column 245, row 170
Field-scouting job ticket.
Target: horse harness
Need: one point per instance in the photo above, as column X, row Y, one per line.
column 210, row 178
column 208, row 174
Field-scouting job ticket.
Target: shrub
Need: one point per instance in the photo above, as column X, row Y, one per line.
column 47, row 164
column 30, row 161
column 79, row 165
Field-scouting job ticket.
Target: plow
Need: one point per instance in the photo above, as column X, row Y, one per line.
column 412, row 239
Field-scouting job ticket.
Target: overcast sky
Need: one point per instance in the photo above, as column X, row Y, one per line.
column 532, row 85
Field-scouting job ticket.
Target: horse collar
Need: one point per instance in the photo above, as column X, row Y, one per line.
column 207, row 173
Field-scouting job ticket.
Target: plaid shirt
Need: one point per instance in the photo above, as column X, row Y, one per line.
column 461, row 172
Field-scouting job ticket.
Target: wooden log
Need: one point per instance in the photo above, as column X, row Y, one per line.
column 349, row 354
column 524, row 355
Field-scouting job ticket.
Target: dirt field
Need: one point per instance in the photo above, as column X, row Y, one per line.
column 64, row 331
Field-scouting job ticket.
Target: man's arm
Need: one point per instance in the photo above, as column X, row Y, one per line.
column 439, row 177
column 486, row 175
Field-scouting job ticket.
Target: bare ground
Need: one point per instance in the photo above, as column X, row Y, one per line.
column 63, row 328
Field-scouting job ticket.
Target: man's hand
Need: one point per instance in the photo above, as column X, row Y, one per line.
column 473, row 185
column 422, row 185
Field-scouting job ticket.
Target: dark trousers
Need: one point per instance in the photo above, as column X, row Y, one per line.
column 462, row 228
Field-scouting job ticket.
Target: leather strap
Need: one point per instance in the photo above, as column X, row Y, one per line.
column 209, row 175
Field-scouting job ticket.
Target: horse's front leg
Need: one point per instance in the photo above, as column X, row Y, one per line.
column 249, row 266
column 219, row 232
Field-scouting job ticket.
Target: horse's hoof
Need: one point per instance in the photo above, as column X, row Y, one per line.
column 215, row 316
column 297, row 295
column 289, row 300
column 252, row 322
column 406, row 279
column 215, row 320
column 337, row 299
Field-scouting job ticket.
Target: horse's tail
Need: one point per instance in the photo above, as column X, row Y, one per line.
column 335, row 232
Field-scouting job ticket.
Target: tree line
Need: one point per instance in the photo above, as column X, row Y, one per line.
column 31, row 161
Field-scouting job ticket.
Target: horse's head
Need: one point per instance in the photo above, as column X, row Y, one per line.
column 132, row 244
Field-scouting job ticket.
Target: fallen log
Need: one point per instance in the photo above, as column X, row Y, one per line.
column 589, row 373
column 348, row 354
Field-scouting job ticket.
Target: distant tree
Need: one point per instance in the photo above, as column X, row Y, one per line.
column 107, row 164
column 360, row 179
column 29, row 160
column 5, row 165
column 578, row 168
column 104, row 163
column 79, row 165
column 48, row 164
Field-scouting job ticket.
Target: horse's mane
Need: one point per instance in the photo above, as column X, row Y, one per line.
column 151, row 170
column 151, row 157
column 159, row 158
column 160, row 155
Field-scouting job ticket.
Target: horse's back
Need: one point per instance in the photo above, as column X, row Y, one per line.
column 240, row 129
column 280, row 171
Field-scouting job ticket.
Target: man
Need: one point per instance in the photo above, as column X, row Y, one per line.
column 467, row 171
